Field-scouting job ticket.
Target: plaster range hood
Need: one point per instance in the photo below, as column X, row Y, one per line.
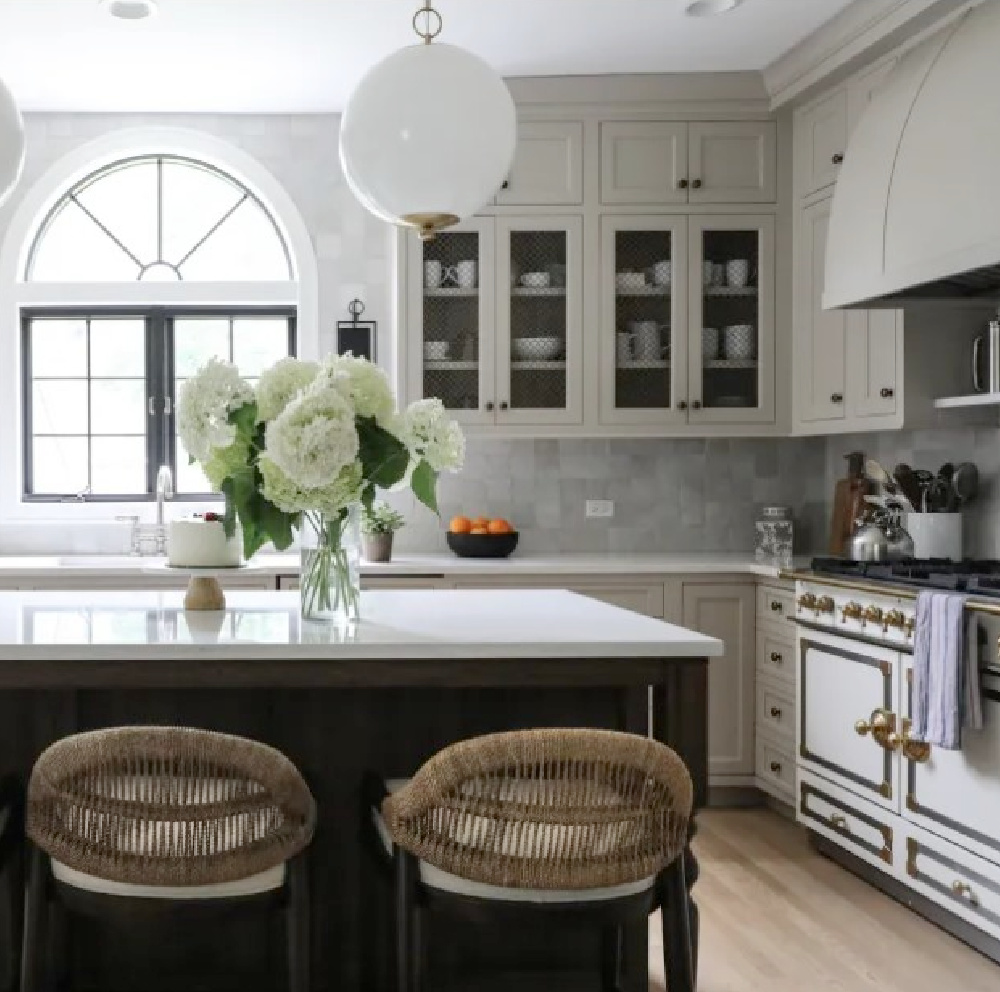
column 916, row 213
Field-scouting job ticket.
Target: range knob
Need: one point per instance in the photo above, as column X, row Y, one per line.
column 895, row 619
column 852, row 611
column 807, row 601
column 825, row 604
column 873, row 615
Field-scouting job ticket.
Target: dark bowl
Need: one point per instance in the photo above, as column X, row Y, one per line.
column 482, row 545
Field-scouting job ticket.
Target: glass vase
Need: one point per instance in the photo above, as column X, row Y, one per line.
column 330, row 583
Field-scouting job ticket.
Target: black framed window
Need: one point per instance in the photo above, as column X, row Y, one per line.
column 100, row 389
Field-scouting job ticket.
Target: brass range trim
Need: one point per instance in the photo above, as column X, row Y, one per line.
column 879, row 589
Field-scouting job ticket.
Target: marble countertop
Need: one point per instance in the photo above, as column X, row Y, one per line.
column 111, row 566
column 398, row 625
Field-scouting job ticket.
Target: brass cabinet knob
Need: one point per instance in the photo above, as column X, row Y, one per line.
column 825, row 604
column 776, row 767
column 838, row 159
column 852, row 611
column 776, row 658
column 962, row 890
column 837, row 398
column 775, row 713
column 682, row 405
column 887, row 393
column 489, row 406
column 682, row 184
column 504, row 405
column 881, row 725
column 808, row 601
column 839, row 822
column 776, row 606
column 873, row 615
column 696, row 405
column 697, row 184
column 862, row 727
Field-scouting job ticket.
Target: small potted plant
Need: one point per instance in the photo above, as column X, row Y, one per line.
column 378, row 524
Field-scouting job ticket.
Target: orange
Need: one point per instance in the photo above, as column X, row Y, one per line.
column 479, row 530
column 483, row 522
column 500, row 526
column 460, row 525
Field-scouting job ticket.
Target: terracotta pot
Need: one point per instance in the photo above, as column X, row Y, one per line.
column 376, row 547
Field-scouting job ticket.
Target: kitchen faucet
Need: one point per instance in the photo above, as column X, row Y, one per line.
column 164, row 491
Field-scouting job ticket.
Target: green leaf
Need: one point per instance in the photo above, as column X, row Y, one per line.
column 423, row 482
column 384, row 458
column 245, row 419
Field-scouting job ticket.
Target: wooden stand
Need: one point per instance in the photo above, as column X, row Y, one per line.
column 204, row 593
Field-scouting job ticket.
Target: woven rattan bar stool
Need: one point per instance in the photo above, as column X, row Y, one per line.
column 166, row 821
column 587, row 825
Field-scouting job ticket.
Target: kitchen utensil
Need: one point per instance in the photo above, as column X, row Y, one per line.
column 966, row 482
column 740, row 342
column 630, row 282
column 662, row 273
column 986, row 360
column 938, row 495
column 433, row 272
column 709, row 343
column 903, row 475
column 544, row 348
column 868, row 542
column 737, row 273
column 947, row 471
column 536, row 280
column 436, row 351
column 648, row 341
column 848, row 502
column 875, row 471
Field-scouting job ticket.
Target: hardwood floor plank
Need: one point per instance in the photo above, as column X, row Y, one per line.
column 778, row 917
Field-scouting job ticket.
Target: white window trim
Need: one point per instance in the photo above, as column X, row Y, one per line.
column 39, row 199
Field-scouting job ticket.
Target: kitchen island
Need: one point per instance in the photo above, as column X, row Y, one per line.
column 422, row 669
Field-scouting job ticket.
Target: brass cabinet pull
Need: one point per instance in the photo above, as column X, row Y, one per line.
column 489, row 406
column 775, row 712
column 776, row 606
column 918, row 752
column 682, row 405
column 839, row 822
column 886, row 393
column 697, row 184
column 837, row 398
column 682, row 184
column 696, row 405
column 962, row 890
column 504, row 405
column 838, row 159
column 881, row 725
column 776, row 767
column 776, row 658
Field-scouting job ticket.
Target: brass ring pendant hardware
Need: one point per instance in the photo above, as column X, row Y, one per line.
column 429, row 32
column 428, row 225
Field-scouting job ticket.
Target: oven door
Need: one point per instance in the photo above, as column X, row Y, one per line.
column 847, row 693
column 956, row 794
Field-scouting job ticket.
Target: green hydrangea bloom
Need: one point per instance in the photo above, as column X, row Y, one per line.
column 224, row 462
column 329, row 499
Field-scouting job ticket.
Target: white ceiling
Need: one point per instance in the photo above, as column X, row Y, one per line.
column 306, row 55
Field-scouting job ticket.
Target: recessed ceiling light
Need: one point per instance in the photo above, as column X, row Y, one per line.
column 129, row 10
column 710, row 8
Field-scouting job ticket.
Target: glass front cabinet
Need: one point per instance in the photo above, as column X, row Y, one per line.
column 688, row 320
column 495, row 320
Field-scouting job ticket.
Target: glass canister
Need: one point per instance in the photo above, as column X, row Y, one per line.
column 773, row 536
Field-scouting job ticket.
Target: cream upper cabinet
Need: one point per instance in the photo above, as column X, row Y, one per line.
column 822, row 137
column 874, row 363
column 548, row 166
column 732, row 162
column 820, row 335
column 644, row 162
column 861, row 90
column 726, row 611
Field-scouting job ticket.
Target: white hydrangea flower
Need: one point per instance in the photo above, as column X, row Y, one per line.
column 331, row 498
column 206, row 400
column 281, row 383
column 313, row 438
column 429, row 433
column 363, row 383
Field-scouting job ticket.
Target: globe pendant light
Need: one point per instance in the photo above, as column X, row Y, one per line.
column 11, row 143
column 429, row 134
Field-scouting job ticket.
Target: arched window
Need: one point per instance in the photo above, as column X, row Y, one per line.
column 129, row 279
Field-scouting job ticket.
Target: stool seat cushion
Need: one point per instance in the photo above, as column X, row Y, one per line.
column 168, row 807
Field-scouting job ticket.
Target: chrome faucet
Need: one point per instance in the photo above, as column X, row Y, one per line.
column 164, row 491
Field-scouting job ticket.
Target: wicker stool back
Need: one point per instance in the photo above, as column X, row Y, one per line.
column 168, row 806
column 546, row 809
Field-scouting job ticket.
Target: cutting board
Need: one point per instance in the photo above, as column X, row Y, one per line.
column 848, row 503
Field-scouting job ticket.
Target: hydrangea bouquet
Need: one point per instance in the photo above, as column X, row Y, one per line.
column 303, row 450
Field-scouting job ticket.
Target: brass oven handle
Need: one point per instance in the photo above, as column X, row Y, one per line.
column 881, row 725
column 918, row 752
column 962, row 890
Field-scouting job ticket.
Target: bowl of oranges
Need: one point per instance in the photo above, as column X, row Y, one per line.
column 481, row 537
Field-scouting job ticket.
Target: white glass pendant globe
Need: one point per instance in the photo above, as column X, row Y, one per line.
column 11, row 143
column 428, row 137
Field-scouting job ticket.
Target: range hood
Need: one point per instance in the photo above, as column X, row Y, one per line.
column 916, row 213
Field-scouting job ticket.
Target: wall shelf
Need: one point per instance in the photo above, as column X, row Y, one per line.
column 962, row 402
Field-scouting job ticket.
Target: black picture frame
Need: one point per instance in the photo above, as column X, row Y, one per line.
column 357, row 337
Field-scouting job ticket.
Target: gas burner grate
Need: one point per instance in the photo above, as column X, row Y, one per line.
column 981, row 577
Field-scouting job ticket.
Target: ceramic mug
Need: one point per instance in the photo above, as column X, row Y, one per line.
column 661, row 273
column 740, row 342
column 737, row 273
column 465, row 274
column 433, row 273
column 646, row 336
column 624, row 347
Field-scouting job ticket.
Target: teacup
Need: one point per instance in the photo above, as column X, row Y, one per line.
column 737, row 273
column 662, row 272
column 647, row 343
column 433, row 273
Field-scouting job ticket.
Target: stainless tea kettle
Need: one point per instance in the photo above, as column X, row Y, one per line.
column 868, row 542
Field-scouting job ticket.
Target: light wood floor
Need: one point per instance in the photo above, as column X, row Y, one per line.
column 777, row 917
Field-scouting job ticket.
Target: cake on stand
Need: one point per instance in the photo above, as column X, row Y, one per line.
column 199, row 548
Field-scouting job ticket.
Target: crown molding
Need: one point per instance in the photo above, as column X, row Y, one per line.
column 859, row 34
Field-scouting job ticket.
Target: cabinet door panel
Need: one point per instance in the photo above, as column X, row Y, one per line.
column 823, row 137
column 726, row 611
column 873, row 345
column 548, row 166
column 821, row 374
column 733, row 162
column 644, row 162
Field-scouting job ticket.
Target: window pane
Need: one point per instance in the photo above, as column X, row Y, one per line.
column 118, row 348
column 59, row 406
column 194, row 201
column 118, row 465
column 59, row 465
column 196, row 340
column 118, row 406
column 245, row 248
column 190, row 478
column 259, row 342
column 58, row 347
column 74, row 249
column 124, row 201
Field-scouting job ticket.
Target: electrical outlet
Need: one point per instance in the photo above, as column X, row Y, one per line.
column 600, row 508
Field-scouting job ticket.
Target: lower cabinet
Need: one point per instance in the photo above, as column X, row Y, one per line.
column 638, row 596
column 726, row 610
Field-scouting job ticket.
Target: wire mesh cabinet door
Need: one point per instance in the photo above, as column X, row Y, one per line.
column 451, row 313
column 539, row 321
column 644, row 331
column 731, row 299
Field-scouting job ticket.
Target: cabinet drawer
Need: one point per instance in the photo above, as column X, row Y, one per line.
column 774, row 604
column 776, row 657
column 776, row 710
column 848, row 821
column 964, row 884
column 775, row 768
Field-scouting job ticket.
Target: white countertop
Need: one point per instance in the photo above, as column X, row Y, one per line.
column 110, row 566
column 396, row 624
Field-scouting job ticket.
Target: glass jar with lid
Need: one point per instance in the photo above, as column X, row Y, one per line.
column 773, row 536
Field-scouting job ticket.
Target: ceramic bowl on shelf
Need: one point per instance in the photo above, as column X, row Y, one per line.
column 740, row 342
column 536, row 280
column 436, row 351
column 482, row 545
column 629, row 282
column 539, row 349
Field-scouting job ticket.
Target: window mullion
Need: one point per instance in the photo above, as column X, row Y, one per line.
column 154, row 405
